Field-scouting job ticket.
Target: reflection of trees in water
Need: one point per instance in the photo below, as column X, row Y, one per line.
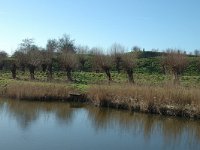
column 26, row 112
column 172, row 130
column 64, row 113
column 105, row 119
column 22, row 112
column 101, row 119
column 175, row 129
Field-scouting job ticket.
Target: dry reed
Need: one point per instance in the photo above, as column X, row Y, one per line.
column 168, row 100
column 37, row 91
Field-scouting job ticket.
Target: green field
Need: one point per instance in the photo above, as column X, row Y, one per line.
column 86, row 78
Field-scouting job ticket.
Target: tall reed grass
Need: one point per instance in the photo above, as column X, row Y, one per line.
column 168, row 100
column 36, row 91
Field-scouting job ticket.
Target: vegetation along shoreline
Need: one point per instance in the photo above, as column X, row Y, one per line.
column 166, row 100
column 166, row 83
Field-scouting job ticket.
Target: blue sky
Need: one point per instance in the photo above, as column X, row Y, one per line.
column 146, row 23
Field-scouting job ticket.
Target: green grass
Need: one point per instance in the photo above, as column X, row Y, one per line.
column 86, row 78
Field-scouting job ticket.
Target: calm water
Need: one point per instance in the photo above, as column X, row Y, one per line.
column 28, row 125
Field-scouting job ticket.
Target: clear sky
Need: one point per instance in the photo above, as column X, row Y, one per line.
column 146, row 23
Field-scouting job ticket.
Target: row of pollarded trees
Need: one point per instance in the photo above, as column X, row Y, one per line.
column 99, row 61
column 125, row 61
column 31, row 56
column 64, row 51
column 173, row 62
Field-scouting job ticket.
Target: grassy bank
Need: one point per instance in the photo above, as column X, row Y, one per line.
column 87, row 78
column 166, row 99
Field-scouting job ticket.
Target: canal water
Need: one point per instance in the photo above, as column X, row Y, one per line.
column 28, row 125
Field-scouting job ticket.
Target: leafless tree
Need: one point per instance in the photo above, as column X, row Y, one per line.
column 26, row 45
column 30, row 54
column 33, row 60
column 21, row 53
column 13, row 67
column 44, row 59
column 21, row 60
column 95, row 65
column 129, row 63
column 69, row 62
column 117, row 51
column 51, row 47
column 66, row 45
column 3, row 56
column 68, row 58
column 9, row 61
column 103, row 61
column 82, row 52
column 176, row 62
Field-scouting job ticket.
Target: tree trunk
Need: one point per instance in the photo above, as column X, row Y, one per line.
column 49, row 71
column 118, row 66
column 13, row 70
column 130, row 75
column 69, row 75
column 44, row 67
column 23, row 68
column 176, row 79
column 32, row 72
column 107, row 71
column 82, row 65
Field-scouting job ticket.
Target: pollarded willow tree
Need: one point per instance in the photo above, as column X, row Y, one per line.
column 44, row 59
column 82, row 53
column 13, row 67
column 10, row 63
column 21, row 53
column 103, row 61
column 33, row 60
column 30, row 54
column 51, row 48
column 67, row 55
column 69, row 61
column 176, row 62
column 21, row 60
column 94, row 64
column 129, row 63
column 117, row 51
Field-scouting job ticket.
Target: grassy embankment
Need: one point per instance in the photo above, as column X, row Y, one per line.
column 151, row 93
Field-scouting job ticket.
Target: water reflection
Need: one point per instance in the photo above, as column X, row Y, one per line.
column 172, row 131
column 27, row 112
